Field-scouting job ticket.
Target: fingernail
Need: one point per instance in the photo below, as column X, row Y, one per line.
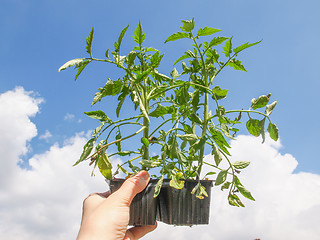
column 143, row 174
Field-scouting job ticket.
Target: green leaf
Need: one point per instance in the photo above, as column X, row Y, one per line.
column 71, row 63
column 158, row 186
column 228, row 48
column 254, row 127
column 241, row 164
column 236, row 65
column 97, row 130
column 139, row 36
column 260, row 102
column 222, row 177
column 105, row 166
column 235, row 201
column 176, row 36
column 175, row 181
column 150, row 163
column 174, row 73
column 226, row 185
column 207, row 31
column 159, row 111
column 219, row 93
column 121, row 99
column 80, row 67
column 181, row 58
column 187, row 25
column 181, row 157
column 100, row 115
column 188, row 137
column 244, row 46
column 242, row 189
column 273, row 131
column 89, row 41
column 87, row 148
column 107, row 53
column 131, row 57
column 217, row 136
column 195, row 118
column 145, row 141
column 216, row 154
column 117, row 44
column 216, row 41
column 270, row 108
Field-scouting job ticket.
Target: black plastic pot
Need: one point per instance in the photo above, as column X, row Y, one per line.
column 180, row 207
column 143, row 209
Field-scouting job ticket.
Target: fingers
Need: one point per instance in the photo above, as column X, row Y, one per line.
column 136, row 233
column 132, row 186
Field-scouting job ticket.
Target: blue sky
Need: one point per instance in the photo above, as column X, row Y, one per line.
column 39, row 36
column 42, row 120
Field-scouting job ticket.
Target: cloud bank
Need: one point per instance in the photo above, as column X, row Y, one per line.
column 44, row 202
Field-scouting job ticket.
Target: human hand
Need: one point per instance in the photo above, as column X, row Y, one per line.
column 106, row 216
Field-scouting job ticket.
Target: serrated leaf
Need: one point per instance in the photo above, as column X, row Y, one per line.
column 80, row 67
column 159, row 111
column 71, row 63
column 244, row 46
column 228, row 48
column 100, row 115
column 273, row 131
column 139, row 36
column 226, row 185
column 241, row 164
column 260, row 102
column 150, row 163
column 181, row 58
column 242, row 189
column 87, row 148
column 219, row 93
column 118, row 44
column 158, row 186
column 188, row 137
column 236, row 65
column 89, row 41
column 174, row 73
column 105, row 166
column 270, row 108
column 207, row 31
column 176, row 36
column 222, row 177
column 187, row 25
column 216, row 41
column 121, row 99
column 254, row 127
column 216, row 154
column 195, row 118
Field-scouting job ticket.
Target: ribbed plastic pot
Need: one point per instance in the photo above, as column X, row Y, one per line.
column 143, row 209
column 180, row 207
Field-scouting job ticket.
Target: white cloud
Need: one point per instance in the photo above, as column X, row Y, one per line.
column 45, row 201
column 69, row 117
column 45, row 136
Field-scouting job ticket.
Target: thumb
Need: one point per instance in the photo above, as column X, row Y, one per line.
column 132, row 186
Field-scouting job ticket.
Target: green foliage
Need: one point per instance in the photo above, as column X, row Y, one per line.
column 189, row 102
